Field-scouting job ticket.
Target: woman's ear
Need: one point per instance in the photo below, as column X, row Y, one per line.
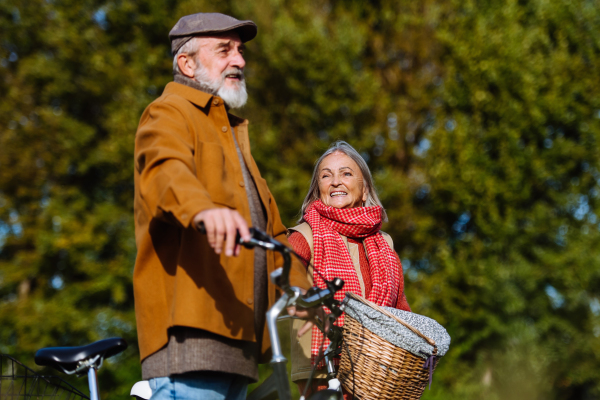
column 365, row 195
column 187, row 65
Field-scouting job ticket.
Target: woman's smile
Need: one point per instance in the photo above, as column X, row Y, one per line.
column 338, row 194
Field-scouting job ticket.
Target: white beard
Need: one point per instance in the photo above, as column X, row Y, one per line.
column 234, row 97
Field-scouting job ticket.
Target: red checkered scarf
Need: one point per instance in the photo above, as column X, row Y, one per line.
column 331, row 257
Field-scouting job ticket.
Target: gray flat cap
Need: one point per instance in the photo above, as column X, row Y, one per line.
column 207, row 23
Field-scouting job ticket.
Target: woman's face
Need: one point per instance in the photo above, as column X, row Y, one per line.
column 341, row 183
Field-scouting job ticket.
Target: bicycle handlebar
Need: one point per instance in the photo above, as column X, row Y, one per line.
column 313, row 297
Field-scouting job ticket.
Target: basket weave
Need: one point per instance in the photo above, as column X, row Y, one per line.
column 373, row 368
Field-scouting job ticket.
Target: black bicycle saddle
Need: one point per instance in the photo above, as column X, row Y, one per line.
column 66, row 359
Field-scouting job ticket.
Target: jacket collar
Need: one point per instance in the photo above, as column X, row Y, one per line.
column 192, row 91
column 188, row 91
column 236, row 121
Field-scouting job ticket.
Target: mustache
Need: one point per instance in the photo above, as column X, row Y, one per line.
column 233, row 72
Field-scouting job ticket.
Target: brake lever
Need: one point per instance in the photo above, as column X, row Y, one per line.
column 253, row 242
column 264, row 240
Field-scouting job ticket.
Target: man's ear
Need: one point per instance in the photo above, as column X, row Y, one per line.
column 187, row 65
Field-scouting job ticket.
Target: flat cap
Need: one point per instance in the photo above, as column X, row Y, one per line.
column 206, row 23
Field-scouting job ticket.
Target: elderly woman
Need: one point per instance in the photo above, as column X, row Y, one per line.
column 339, row 235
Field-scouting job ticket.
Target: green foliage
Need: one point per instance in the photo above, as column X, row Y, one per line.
column 480, row 122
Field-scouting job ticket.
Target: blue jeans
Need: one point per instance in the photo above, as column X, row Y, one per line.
column 199, row 385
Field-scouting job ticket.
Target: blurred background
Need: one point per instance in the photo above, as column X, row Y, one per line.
column 479, row 119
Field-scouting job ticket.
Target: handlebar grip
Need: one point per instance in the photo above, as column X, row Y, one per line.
column 316, row 296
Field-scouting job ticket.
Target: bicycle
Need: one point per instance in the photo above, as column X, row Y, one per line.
column 88, row 359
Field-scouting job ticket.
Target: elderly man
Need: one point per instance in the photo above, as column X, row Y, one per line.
column 200, row 312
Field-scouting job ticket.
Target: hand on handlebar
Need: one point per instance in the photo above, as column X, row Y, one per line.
column 309, row 314
column 222, row 226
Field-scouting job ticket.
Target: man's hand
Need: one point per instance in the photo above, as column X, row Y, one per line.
column 222, row 225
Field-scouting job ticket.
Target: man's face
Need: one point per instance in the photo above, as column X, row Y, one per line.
column 220, row 67
column 222, row 56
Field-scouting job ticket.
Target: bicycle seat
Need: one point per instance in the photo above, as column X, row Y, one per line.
column 67, row 359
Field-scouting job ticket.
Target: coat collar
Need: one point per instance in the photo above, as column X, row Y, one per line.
column 237, row 121
column 191, row 94
column 191, row 91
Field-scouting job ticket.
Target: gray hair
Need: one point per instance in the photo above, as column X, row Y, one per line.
column 342, row 147
column 191, row 47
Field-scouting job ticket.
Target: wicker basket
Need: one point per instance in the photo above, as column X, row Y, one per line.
column 373, row 368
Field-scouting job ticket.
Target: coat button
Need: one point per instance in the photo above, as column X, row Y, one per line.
column 224, row 129
column 215, row 102
column 250, row 301
column 242, row 183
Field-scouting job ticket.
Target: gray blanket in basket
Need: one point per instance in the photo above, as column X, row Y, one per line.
column 396, row 333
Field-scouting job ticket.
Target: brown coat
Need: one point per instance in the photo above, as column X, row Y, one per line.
column 186, row 162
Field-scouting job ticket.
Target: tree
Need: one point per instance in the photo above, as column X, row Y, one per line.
column 479, row 121
column 73, row 93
